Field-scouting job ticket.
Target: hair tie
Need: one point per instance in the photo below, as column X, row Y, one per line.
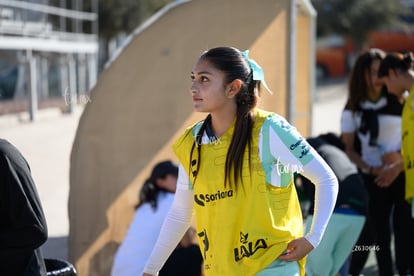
column 258, row 73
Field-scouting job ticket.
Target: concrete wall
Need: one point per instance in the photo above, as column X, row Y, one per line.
column 142, row 102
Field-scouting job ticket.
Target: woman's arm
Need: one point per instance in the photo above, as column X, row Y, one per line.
column 349, row 128
column 349, row 139
column 288, row 147
column 326, row 191
column 175, row 225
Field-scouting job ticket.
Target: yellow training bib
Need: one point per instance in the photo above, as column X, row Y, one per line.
column 240, row 231
column 408, row 144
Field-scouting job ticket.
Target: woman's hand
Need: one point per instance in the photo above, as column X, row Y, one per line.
column 390, row 170
column 388, row 174
column 146, row 274
column 296, row 250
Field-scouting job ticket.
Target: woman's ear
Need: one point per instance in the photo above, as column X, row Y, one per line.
column 233, row 88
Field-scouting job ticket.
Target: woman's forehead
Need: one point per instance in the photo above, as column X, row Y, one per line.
column 204, row 66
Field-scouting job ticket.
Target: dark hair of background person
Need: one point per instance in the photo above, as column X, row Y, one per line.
column 396, row 61
column 358, row 86
column 150, row 190
column 350, row 192
column 333, row 139
column 234, row 65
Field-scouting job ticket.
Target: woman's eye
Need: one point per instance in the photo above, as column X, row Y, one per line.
column 199, row 79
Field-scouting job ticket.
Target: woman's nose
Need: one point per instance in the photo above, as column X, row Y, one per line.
column 193, row 88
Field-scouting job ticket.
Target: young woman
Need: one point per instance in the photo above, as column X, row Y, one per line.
column 397, row 72
column 236, row 172
column 155, row 199
column 348, row 216
column 373, row 117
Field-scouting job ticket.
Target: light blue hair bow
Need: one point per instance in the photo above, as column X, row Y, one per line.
column 258, row 73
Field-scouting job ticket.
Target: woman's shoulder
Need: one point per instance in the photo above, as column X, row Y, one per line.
column 263, row 115
column 188, row 135
column 194, row 128
column 271, row 118
column 260, row 113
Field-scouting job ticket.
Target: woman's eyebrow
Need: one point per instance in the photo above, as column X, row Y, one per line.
column 201, row 73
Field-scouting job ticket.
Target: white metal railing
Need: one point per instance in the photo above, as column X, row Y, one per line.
column 16, row 28
column 49, row 10
column 40, row 30
column 24, row 28
column 14, row 20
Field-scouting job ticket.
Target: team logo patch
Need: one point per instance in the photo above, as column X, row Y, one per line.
column 203, row 199
column 248, row 248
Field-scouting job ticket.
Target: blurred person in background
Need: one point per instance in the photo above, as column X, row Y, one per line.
column 23, row 226
column 397, row 72
column 155, row 199
column 186, row 259
column 372, row 117
column 348, row 216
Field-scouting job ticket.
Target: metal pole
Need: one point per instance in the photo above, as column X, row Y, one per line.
column 92, row 70
column 72, row 84
column 62, row 19
column 33, row 105
column 306, row 7
column 312, row 30
column 82, row 70
column 64, row 79
column 44, row 77
column 95, row 10
column 21, row 87
column 291, row 63
column 79, row 22
column 45, row 16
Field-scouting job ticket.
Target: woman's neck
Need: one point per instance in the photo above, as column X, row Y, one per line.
column 220, row 122
column 374, row 95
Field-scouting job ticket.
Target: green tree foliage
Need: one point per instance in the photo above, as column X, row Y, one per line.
column 357, row 18
column 116, row 16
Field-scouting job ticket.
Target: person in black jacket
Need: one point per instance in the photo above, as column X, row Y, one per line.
column 23, row 226
column 186, row 259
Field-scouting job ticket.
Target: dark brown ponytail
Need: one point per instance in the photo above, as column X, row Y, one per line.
column 231, row 61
